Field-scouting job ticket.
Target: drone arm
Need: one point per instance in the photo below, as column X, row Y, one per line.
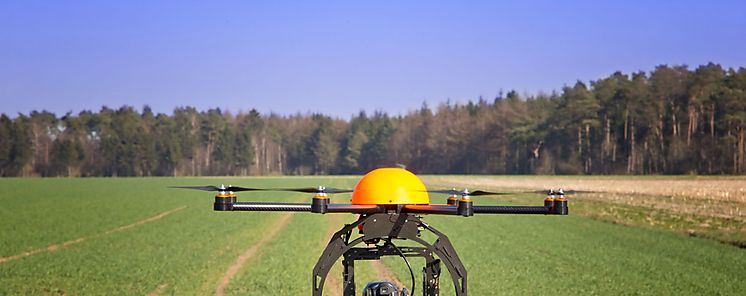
column 302, row 207
column 271, row 207
column 512, row 210
column 431, row 209
column 356, row 209
column 229, row 204
column 453, row 210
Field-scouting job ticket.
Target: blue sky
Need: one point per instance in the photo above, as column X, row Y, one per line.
column 340, row 57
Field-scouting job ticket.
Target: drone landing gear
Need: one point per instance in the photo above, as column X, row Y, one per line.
column 386, row 227
column 431, row 271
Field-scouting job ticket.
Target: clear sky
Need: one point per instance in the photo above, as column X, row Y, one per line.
column 340, row 57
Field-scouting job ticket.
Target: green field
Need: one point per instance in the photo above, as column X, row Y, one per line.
column 134, row 236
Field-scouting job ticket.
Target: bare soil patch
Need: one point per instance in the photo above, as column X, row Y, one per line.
column 158, row 290
column 385, row 274
column 732, row 189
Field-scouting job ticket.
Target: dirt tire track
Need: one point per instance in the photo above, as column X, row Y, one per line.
column 158, row 290
column 385, row 274
column 250, row 252
column 148, row 220
column 332, row 286
column 54, row 247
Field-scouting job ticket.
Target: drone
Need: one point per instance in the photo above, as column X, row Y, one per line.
column 390, row 203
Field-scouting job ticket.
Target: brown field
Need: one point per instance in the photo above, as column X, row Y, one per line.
column 707, row 188
column 713, row 207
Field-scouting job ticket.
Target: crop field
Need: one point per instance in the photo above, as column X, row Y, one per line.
column 712, row 207
column 135, row 236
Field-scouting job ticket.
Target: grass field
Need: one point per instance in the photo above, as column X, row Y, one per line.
column 133, row 236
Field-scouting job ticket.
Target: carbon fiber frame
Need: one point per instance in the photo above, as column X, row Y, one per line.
column 387, row 227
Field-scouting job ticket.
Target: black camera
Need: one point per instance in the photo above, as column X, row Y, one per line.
column 383, row 288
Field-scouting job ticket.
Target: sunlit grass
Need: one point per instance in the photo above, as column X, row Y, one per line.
column 191, row 249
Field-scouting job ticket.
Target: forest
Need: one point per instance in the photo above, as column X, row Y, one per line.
column 671, row 120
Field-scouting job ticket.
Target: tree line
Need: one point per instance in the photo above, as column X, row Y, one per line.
column 672, row 120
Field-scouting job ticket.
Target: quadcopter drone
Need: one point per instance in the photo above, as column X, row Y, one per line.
column 390, row 202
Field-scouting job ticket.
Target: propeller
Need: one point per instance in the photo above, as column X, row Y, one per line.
column 320, row 189
column 467, row 192
column 482, row 192
column 331, row 190
column 221, row 188
column 550, row 191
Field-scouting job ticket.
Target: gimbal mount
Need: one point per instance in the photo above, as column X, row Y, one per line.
column 387, row 227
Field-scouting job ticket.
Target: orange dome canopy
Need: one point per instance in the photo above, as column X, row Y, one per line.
column 387, row 186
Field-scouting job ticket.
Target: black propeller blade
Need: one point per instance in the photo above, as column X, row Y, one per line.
column 482, row 192
column 319, row 189
column 215, row 188
column 550, row 191
column 466, row 192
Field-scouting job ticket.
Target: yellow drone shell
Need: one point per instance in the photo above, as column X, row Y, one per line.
column 389, row 186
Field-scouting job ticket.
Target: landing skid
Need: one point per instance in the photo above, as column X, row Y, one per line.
column 387, row 227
